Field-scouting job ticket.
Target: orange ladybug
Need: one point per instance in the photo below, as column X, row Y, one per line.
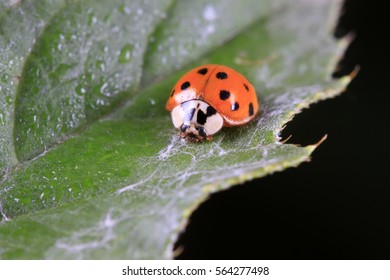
column 209, row 97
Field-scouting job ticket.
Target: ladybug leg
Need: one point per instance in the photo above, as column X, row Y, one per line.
column 203, row 135
column 202, row 132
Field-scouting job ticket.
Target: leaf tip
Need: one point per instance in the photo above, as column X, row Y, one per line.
column 321, row 141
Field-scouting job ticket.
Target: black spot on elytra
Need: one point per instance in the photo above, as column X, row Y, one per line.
column 224, row 94
column 203, row 71
column 221, row 75
column 246, row 87
column 172, row 93
column 235, row 106
column 251, row 110
column 185, row 85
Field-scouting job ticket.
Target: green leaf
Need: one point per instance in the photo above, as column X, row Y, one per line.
column 19, row 28
column 92, row 166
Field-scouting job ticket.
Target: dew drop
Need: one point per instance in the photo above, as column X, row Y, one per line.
column 8, row 99
column 100, row 64
column 2, row 119
column 103, row 87
column 124, row 9
column 209, row 13
column 100, row 102
column 125, row 55
column 4, row 78
column 80, row 90
column 91, row 19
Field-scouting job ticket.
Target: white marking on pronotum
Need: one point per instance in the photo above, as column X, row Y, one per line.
column 187, row 114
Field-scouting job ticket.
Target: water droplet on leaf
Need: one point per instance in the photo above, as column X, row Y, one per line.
column 126, row 54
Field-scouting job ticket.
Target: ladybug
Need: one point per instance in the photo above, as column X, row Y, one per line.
column 209, row 97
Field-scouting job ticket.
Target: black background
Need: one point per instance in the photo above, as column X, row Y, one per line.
column 338, row 205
